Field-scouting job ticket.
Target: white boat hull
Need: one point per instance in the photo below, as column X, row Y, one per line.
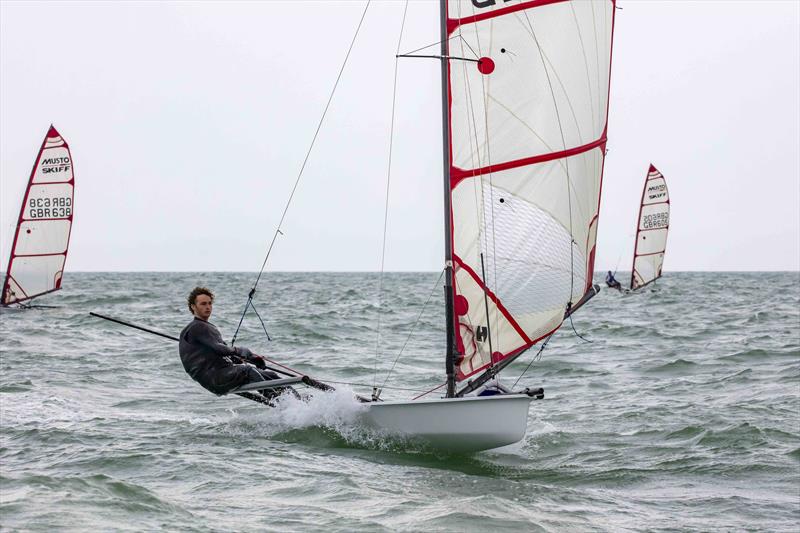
column 454, row 424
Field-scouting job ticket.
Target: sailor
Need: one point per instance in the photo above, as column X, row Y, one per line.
column 611, row 282
column 209, row 361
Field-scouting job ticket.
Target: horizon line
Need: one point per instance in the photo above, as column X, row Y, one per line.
column 372, row 271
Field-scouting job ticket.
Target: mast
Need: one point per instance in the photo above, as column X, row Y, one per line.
column 450, row 355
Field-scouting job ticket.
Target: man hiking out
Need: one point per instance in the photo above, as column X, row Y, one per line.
column 612, row 282
column 216, row 366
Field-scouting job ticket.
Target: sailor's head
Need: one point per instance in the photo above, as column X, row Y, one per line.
column 201, row 302
column 609, row 272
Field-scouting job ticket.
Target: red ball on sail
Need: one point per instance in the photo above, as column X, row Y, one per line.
column 485, row 65
column 460, row 305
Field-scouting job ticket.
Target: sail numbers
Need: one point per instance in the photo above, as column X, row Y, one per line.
column 655, row 220
column 59, row 207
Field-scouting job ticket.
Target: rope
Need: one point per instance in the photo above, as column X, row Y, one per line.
column 576, row 331
column 535, row 358
column 413, row 327
column 426, row 46
column 352, row 384
column 300, row 174
column 386, row 204
column 430, row 391
column 260, row 320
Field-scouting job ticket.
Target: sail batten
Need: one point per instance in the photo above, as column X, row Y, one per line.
column 528, row 130
column 652, row 227
column 41, row 240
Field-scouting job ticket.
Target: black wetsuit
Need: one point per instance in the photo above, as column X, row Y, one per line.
column 210, row 362
column 611, row 282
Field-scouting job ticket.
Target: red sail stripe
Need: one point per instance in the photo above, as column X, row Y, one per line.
column 492, row 296
column 459, row 174
column 452, row 24
column 64, row 253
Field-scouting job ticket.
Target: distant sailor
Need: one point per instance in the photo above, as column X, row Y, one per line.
column 611, row 282
column 209, row 361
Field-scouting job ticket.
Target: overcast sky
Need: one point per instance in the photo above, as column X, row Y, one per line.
column 188, row 123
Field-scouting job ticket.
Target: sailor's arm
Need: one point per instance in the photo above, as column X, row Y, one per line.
column 208, row 337
column 205, row 337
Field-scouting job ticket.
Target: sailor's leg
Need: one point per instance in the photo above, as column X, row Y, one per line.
column 268, row 374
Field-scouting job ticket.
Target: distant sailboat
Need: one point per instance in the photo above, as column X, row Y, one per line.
column 41, row 240
column 651, row 231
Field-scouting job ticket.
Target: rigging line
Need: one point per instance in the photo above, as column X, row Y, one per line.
column 386, row 204
column 413, row 327
column 477, row 187
column 439, row 57
column 260, row 320
column 352, row 384
column 534, row 358
column 464, row 42
column 485, row 100
column 586, row 60
column 485, row 103
column 488, row 320
column 428, row 46
column 428, row 392
column 576, row 331
column 300, row 174
column 566, row 160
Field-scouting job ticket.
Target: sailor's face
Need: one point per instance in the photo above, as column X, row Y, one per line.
column 202, row 307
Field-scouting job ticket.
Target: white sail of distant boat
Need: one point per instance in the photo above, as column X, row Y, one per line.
column 525, row 92
column 651, row 231
column 41, row 240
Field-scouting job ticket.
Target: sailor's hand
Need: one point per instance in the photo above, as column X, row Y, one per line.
column 245, row 353
column 259, row 362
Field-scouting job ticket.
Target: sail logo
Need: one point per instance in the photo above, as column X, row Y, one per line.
column 59, row 207
column 485, row 3
column 654, row 192
column 55, row 165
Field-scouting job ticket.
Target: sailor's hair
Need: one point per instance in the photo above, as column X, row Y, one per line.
column 197, row 291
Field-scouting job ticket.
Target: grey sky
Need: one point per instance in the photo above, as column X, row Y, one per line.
column 188, row 123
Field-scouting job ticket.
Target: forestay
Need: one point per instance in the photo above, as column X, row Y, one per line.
column 41, row 240
column 528, row 125
column 651, row 230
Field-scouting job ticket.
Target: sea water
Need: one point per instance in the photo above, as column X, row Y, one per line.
column 680, row 411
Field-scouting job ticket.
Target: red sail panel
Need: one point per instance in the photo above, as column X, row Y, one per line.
column 651, row 230
column 41, row 240
column 528, row 125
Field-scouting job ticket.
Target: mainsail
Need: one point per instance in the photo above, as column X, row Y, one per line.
column 651, row 230
column 41, row 240
column 528, row 124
